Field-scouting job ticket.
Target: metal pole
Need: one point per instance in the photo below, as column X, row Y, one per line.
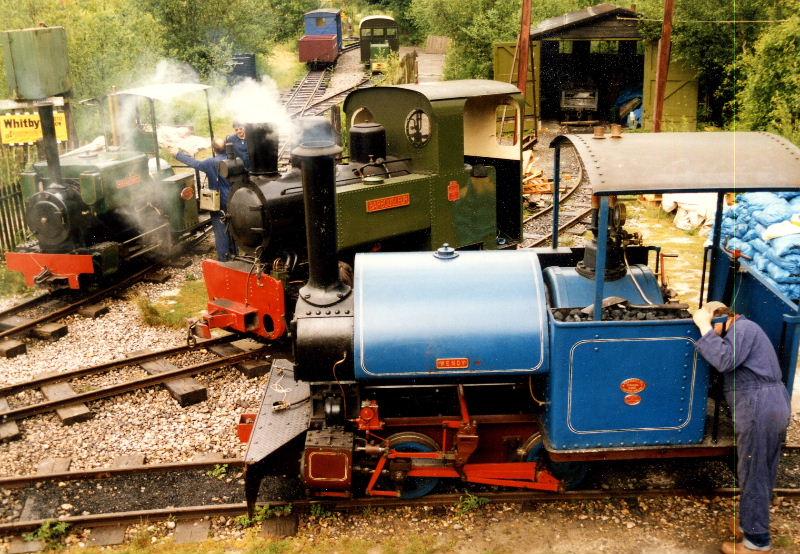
column 210, row 126
column 662, row 69
column 600, row 260
column 712, row 268
column 556, row 192
column 155, row 134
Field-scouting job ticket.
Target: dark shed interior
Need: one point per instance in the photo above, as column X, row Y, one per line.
column 598, row 52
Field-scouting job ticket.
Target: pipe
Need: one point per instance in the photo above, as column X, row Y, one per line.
column 318, row 169
column 49, row 140
column 262, row 147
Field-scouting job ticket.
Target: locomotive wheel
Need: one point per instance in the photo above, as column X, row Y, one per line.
column 414, row 487
column 571, row 474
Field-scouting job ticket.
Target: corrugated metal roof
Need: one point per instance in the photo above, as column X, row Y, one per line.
column 569, row 20
column 687, row 162
column 466, row 88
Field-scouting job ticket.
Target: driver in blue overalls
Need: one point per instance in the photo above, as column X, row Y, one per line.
column 742, row 352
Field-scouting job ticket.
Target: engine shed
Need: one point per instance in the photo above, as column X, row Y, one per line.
column 593, row 65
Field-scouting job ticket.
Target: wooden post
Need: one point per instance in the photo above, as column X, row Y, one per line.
column 523, row 55
column 662, row 69
column 523, row 46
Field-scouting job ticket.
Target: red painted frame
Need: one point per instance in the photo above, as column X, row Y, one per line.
column 62, row 266
column 459, row 448
column 237, row 296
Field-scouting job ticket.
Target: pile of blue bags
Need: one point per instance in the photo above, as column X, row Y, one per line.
column 761, row 226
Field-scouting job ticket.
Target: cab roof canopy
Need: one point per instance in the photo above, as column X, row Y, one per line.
column 466, row 88
column 687, row 162
column 164, row 91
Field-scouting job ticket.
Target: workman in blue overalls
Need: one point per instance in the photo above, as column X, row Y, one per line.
column 239, row 142
column 742, row 352
column 210, row 166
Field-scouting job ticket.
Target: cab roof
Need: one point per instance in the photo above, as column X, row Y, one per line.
column 164, row 91
column 371, row 18
column 466, row 88
column 687, row 162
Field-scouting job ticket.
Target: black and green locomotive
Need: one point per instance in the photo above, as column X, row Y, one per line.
column 92, row 211
column 426, row 166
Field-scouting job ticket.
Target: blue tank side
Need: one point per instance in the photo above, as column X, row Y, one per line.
column 481, row 314
column 622, row 383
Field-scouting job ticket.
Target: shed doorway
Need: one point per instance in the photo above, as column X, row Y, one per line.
column 591, row 80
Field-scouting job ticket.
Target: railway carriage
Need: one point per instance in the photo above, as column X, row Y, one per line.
column 378, row 36
column 515, row 368
column 426, row 167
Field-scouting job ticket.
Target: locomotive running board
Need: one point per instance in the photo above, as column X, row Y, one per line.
column 284, row 415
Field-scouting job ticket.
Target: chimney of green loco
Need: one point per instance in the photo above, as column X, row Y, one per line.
column 49, row 140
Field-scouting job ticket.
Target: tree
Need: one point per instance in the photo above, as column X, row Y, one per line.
column 770, row 97
column 473, row 26
column 108, row 41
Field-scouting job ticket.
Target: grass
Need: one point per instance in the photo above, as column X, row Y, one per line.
column 12, row 283
column 173, row 311
column 263, row 513
column 283, row 65
column 469, row 503
column 220, row 471
column 52, row 533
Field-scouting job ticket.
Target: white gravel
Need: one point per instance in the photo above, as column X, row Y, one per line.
column 146, row 421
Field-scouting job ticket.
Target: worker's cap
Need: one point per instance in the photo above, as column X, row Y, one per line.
column 716, row 308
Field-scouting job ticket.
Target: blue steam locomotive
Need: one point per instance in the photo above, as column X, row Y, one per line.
column 515, row 368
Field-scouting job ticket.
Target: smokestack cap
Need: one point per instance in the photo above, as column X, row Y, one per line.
column 317, row 148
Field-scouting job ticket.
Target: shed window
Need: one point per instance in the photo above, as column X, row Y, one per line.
column 379, row 32
column 565, row 47
column 321, row 22
column 391, row 31
column 366, row 32
column 604, row 47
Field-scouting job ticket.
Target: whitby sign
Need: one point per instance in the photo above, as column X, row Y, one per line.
column 27, row 129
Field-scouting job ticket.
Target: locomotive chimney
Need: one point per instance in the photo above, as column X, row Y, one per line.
column 49, row 140
column 318, row 169
column 262, row 146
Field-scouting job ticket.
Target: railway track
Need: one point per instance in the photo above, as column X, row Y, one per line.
column 574, row 208
column 70, row 405
column 313, row 106
column 55, row 306
column 41, row 311
column 320, row 106
column 113, row 478
column 305, row 91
